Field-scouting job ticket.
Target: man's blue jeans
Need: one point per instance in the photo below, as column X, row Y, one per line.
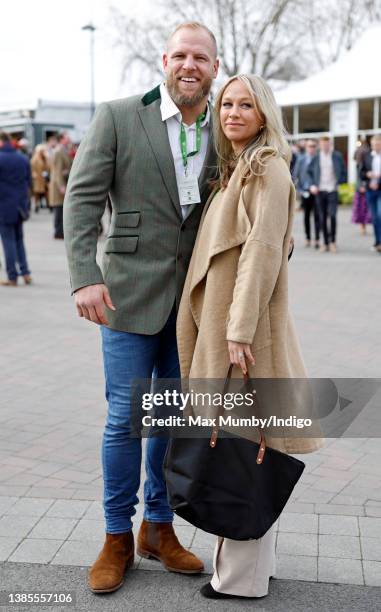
column 14, row 250
column 373, row 199
column 126, row 357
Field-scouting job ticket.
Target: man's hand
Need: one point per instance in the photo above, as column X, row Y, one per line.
column 314, row 190
column 90, row 302
column 238, row 353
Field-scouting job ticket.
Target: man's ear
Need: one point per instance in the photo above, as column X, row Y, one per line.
column 216, row 67
column 165, row 61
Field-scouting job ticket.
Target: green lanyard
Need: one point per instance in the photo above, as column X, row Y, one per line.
column 183, row 140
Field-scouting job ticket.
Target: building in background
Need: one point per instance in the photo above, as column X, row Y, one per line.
column 36, row 121
column 342, row 101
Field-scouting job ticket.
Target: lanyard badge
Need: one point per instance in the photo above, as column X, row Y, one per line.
column 189, row 192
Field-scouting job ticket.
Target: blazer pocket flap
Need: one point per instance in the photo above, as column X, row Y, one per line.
column 127, row 219
column 121, row 244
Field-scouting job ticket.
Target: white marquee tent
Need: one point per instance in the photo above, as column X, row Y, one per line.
column 345, row 86
column 355, row 75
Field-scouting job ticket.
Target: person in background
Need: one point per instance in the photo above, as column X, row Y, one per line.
column 360, row 210
column 15, row 182
column 23, row 147
column 327, row 171
column 50, row 145
column 370, row 173
column 294, row 157
column 303, row 182
column 59, row 173
column 40, row 172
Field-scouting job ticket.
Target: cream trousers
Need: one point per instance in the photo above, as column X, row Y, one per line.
column 244, row 568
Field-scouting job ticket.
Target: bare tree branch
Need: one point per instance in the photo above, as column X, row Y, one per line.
column 285, row 39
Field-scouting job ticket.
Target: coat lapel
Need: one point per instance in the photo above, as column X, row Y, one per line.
column 230, row 228
column 157, row 135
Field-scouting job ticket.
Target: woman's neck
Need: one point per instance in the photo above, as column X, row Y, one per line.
column 237, row 148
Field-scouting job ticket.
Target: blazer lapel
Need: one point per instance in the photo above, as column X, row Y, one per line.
column 157, row 135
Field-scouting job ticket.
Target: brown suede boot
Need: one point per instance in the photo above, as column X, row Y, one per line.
column 117, row 555
column 159, row 541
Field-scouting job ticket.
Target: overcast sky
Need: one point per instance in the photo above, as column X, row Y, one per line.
column 45, row 54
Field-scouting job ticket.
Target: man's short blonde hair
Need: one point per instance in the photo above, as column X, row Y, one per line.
column 195, row 25
column 376, row 138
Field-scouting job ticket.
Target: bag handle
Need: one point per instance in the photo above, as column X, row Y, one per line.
column 213, row 437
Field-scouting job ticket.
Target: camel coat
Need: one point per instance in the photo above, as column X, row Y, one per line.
column 237, row 289
column 39, row 165
column 59, row 172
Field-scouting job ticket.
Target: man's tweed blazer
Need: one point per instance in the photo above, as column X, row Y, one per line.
column 126, row 155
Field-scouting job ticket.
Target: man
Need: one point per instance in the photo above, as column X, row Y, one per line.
column 327, row 171
column 303, row 182
column 370, row 173
column 59, row 171
column 15, row 182
column 153, row 156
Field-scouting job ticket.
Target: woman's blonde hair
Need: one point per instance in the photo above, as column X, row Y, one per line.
column 269, row 142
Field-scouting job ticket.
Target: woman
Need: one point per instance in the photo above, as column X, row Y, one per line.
column 40, row 171
column 360, row 211
column 234, row 306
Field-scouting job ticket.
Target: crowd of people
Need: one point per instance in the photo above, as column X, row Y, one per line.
column 318, row 170
column 30, row 181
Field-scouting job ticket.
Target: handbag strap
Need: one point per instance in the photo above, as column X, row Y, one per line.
column 214, row 435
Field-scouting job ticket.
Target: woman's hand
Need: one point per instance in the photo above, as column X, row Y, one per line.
column 239, row 353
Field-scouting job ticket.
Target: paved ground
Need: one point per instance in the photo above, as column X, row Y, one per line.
column 52, row 412
column 146, row 591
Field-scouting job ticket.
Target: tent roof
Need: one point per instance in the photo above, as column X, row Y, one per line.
column 355, row 75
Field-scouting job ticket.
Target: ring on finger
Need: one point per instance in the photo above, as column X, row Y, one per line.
column 241, row 356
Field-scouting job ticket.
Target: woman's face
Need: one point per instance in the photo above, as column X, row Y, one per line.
column 240, row 120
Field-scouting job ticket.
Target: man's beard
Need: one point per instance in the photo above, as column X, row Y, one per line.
column 181, row 99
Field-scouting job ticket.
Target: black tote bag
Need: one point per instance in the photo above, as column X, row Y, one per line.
column 229, row 486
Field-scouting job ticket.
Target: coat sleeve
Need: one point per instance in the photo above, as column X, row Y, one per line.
column 59, row 163
column 364, row 168
column 341, row 169
column 261, row 256
column 28, row 175
column 311, row 171
column 89, row 182
column 295, row 173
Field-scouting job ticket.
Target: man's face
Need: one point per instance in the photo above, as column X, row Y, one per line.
column 65, row 140
column 325, row 146
column 311, row 147
column 376, row 145
column 190, row 66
